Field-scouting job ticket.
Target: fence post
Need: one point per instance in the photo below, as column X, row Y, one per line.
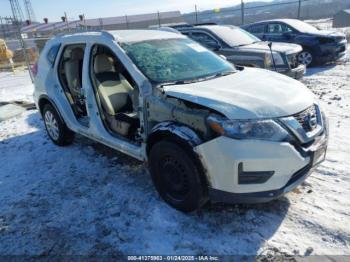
column 126, row 22
column 196, row 12
column 242, row 12
column 158, row 18
column 24, row 49
column 299, row 9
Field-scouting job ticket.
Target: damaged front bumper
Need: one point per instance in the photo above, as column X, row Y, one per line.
column 296, row 73
column 332, row 52
column 253, row 171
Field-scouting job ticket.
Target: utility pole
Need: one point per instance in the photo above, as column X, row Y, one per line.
column 196, row 11
column 299, row 9
column 242, row 12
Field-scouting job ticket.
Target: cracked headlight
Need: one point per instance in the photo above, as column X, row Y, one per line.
column 259, row 129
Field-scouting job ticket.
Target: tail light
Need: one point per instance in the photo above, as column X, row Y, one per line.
column 34, row 69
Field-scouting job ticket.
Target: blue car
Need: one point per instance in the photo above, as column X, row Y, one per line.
column 319, row 46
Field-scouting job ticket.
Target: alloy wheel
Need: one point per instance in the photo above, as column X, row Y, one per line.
column 305, row 58
column 51, row 125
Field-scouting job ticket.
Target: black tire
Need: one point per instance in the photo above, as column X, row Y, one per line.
column 177, row 175
column 64, row 135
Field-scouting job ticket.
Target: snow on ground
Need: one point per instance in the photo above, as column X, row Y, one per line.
column 16, row 86
column 87, row 199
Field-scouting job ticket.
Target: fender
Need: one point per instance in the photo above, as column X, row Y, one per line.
column 45, row 97
column 170, row 128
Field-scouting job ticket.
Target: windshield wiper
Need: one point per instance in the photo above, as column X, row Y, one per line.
column 223, row 74
column 199, row 79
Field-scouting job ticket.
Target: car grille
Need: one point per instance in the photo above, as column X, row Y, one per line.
column 341, row 49
column 293, row 60
column 307, row 118
column 339, row 38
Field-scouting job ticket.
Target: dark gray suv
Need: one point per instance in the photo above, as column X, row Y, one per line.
column 242, row 48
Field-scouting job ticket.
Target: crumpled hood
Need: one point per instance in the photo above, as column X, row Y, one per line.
column 248, row 94
column 286, row 48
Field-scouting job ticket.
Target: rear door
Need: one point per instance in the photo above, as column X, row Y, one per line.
column 258, row 30
column 69, row 83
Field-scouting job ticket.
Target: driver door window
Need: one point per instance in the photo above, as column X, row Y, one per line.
column 278, row 32
column 278, row 28
column 206, row 40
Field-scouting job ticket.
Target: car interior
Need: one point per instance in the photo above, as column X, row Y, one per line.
column 70, row 74
column 116, row 92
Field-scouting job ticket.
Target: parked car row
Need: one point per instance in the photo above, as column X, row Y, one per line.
column 243, row 48
column 208, row 130
column 283, row 45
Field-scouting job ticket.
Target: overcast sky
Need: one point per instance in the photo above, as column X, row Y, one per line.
column 104, row 8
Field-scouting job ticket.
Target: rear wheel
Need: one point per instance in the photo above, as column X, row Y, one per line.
column 305, row 58
column 56, row 128
column 177, row 176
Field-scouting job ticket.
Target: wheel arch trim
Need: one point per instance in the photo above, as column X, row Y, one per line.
column 50, row 101
column 170, row 128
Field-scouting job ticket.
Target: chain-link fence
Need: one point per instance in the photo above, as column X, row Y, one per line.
column 253, row 12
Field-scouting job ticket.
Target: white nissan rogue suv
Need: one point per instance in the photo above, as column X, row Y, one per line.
column 207, row 129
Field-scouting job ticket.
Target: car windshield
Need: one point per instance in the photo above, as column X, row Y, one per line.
column 302, row 26
column 234, row 36
column 174, row 60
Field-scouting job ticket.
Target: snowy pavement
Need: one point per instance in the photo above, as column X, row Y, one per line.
column 87, row 199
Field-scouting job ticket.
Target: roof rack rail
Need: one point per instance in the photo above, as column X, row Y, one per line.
column 103, row 32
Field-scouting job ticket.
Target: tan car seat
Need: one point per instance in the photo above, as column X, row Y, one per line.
column 115, row 94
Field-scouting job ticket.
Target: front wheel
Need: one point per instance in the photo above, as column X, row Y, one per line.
column 177, row 176
column 305, row 58
column 56, row 128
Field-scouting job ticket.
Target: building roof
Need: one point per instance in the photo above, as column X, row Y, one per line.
column 96, row 22
column 131, row 18
column 49, row 26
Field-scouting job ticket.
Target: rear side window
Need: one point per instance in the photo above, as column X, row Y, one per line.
column 51, row 55
column 277, row 28
column 257, row 29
